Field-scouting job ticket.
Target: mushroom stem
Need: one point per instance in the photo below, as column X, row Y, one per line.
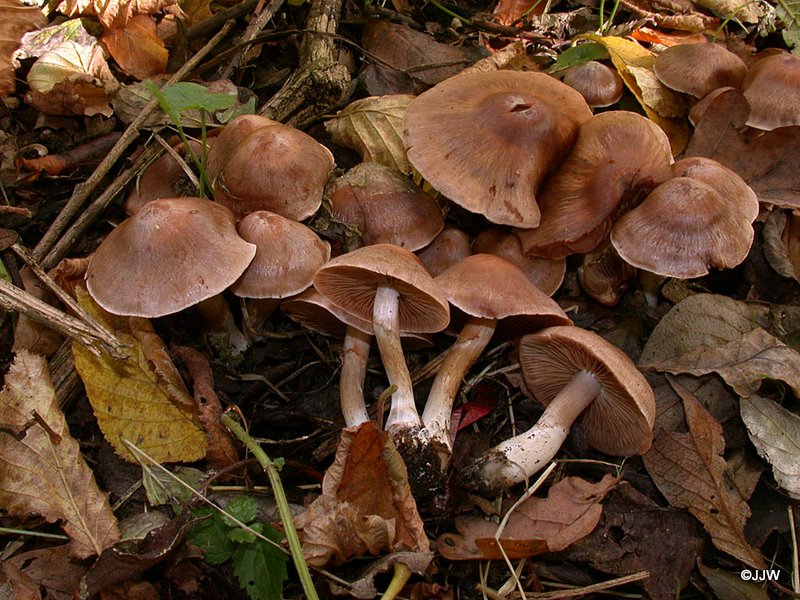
column 220, row 325
column 521, row 456
column 355, row 354
column 385, row 321
column 472, row 340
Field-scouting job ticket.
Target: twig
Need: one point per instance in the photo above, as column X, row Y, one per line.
column 253, row 29
column 590, row 589
column 83, row 190
column 795, row 568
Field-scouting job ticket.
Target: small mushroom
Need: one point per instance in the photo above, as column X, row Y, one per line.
column 576, row 374
column 599, row 85
column 486, row 140
column 446, row 249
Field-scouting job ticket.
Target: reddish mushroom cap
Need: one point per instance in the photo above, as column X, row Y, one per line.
column 170, row 255
column 598, row 84
column 446, row 249
column 698, row 69
column 486, row 140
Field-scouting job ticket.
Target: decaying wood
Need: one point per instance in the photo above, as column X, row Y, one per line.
column 253, row 29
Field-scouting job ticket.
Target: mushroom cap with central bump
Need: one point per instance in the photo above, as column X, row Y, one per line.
column 620, row 419
column 486, row 140
column 171, row 254
column 350, row 282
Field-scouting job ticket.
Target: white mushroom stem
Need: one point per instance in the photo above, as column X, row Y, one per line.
column 471, row 342
column 355, row 354
column 521, row 456
column 385, row 321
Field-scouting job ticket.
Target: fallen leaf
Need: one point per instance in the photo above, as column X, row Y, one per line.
column 570, row 512
column 667, row 38
column 72, row 79
column 43, row 471
column 137, row 48
column 374, row 127
column 363, row 585
column 708, row 333
column 141, row 399
column 689, row 470
column 349, row 518
column 731, row 586
column 32, row 335
column 775, row 432
column 49, row 569
column 656, row 95
column 747, row 12
column 636, row 534
column 508, row 12
column 15, row 20
column 690, row 20
column 112, row 13
column 788, row 11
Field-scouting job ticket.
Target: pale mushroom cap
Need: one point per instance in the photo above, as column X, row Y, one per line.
column 620, row 420
column 618, row 158
column 350, row 281
column 490, row 287
column 229, row 138
column 288, row 255
column 386, row 207
column 772, row 89
column 171, row 254
column 689, row 223
column 598, row 84
column 698, row 69
column 486, row 140
column 275, row 168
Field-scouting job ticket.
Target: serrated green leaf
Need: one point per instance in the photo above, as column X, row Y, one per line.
column 240, row 536
column 211, row 536
column 243, row 508
column 577, row 55
column 261, row 567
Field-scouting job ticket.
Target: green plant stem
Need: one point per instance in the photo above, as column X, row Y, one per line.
column 399, row 578
column 283, row 504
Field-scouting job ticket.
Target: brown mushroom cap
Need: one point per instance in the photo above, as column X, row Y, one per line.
column 170, row 255
column 620, row 420
column 698, row 69
column 618, row 159
column 350, row 281
column 772, row 89
column 598, row 84
column 386, row 207
column 446, row 249
column 486, row 140
column 229, row 138
column 275, row 168
column 700, row 218
column 288, row 255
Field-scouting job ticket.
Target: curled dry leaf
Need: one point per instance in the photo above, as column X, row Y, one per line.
column 350, row 518
column 708, row 333
column 775, row 432
column 43, row 472
column 689, row 20
column 72, row 79
column 112, row 13
column 570, row 512
column 48, row 569
column 374, row 128
column 141, row 399
column 689, row 470
column 15, row 19
column 781, row 235
column 137, row 48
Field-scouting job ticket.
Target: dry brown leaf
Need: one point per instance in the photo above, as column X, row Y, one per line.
column 708, row 333
column 141, row 399
column 731, row 586
column 570, row 512
column 689, row 470
column 112, row 13
column 686, row 20
column 137, row 48
column 31, row 335
column 775, row 432
column 374, row 127
column 350, row 518
column 47, row 569
column 15, row 19
column 43, row 471
column 747, row 12
column 509, row 11
column 781, row 234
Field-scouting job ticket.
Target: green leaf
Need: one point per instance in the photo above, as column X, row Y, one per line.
column 261, row 567
column 243, row 508
column 577, row 55
column 211, row 536
column 245, row 537
column 187, row 96
column 788, row 11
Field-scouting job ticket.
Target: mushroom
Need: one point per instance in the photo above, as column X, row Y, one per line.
column 575, row 373
column 699, row 69
column 388, row 286
column 772, row 89
column 492, row 292
column 446, row 249
column 486, row 140
column 599, row 85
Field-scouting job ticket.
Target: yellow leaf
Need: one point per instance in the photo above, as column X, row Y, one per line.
column 41, row 468
column 142, row 398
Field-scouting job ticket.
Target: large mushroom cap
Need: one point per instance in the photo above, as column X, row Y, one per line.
column 620, row 420
column 171, row 254
column 351, row 279
column 700, row 218
column 288, row 255
column 772, row 89
column 486, row 140
column 490, row 287
column 698, row 69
